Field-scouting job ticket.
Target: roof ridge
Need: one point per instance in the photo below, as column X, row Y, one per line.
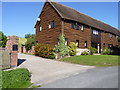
column 84, row 14
column 55, row 7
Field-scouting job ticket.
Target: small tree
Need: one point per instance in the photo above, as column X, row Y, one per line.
column 61, row 48
column 30, row 41
column 72, row 48
column 3, row 39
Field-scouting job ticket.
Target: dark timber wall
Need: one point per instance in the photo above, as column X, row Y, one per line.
column 48, row 36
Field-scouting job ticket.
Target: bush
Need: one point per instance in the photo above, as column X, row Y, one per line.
column 61, row 48
column 92, row 50
column 106, row 51
column 72, row 49
column 45, row 51
column 84, row 53
column 51, row 56
column 115, row 50
column 15, row 78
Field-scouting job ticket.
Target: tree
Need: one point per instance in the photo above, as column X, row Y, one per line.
column 118, row 38
column 3, row 39
column 61, row 48
column 30, row 41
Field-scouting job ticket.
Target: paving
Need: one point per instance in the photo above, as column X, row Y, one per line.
column 47, row 70
column 100, row 77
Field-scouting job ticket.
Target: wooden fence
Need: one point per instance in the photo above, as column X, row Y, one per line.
column 4, row 59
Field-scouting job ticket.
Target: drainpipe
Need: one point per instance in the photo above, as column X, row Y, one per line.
column 62, row 31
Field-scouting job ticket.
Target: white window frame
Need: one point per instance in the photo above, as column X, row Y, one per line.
column 66, row 41
column 77, row 43
column 82, row 28
column 110, row 35
column 49, row 25
column 40, row 28
column 95, row 32
column 116, row 36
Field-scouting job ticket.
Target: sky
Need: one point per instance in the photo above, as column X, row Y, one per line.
column 19, row 18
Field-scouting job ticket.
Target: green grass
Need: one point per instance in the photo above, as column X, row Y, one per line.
column 36, row 86
column 17, row 78
column 93, row 60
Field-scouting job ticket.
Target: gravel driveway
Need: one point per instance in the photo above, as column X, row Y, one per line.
column 47, row 70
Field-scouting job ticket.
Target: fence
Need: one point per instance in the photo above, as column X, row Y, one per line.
column 4, row 59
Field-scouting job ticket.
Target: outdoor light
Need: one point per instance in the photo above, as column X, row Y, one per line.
column 38, row 19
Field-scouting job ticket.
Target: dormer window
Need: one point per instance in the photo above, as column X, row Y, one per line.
column 40, row 28
column 110, row 35
column 82, row 28
column 95, row 32
column 77, row 26
column 72, row 25
column 116, row 36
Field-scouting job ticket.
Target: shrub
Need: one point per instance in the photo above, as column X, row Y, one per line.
column 15, row 78
column 106, row 51
column 36, row 48
column 115, row 50
column 84, row 53
column 72, row 49
column 61, row 48
column 45, row 51
column 51, row 56
column 92, row 50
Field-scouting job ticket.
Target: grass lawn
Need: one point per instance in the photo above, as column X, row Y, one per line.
column 93, row 60
column 17, row 78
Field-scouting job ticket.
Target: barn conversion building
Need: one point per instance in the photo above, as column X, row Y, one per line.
column 85, row 31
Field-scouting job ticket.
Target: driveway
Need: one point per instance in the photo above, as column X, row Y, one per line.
column 46, row 70
column 100, row 77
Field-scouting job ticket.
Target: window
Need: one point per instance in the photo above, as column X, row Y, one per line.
column 49, row 25
column 77, row 26
column 66, row 41
column 110, row 35
column 52, row 24
column 15, row 47
column 77, row 43
column 116, row 36
column 95, row 32
column 103, row 44
column 72, row 25
column 40, row 28
column 85, row 44
column 82, row 27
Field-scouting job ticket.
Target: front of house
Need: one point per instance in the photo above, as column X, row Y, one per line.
column 85, row 31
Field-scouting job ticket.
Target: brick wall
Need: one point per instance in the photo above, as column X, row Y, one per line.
column 12, row 40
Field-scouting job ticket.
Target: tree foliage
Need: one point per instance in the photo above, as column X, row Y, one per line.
column 3, row 39
column 30, row 41
column 118, row 38
column 61, row 48
column 72, row 48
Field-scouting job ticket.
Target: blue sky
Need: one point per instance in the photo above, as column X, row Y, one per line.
column 19, row 18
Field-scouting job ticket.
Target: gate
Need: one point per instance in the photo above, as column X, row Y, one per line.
column 4, row 59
